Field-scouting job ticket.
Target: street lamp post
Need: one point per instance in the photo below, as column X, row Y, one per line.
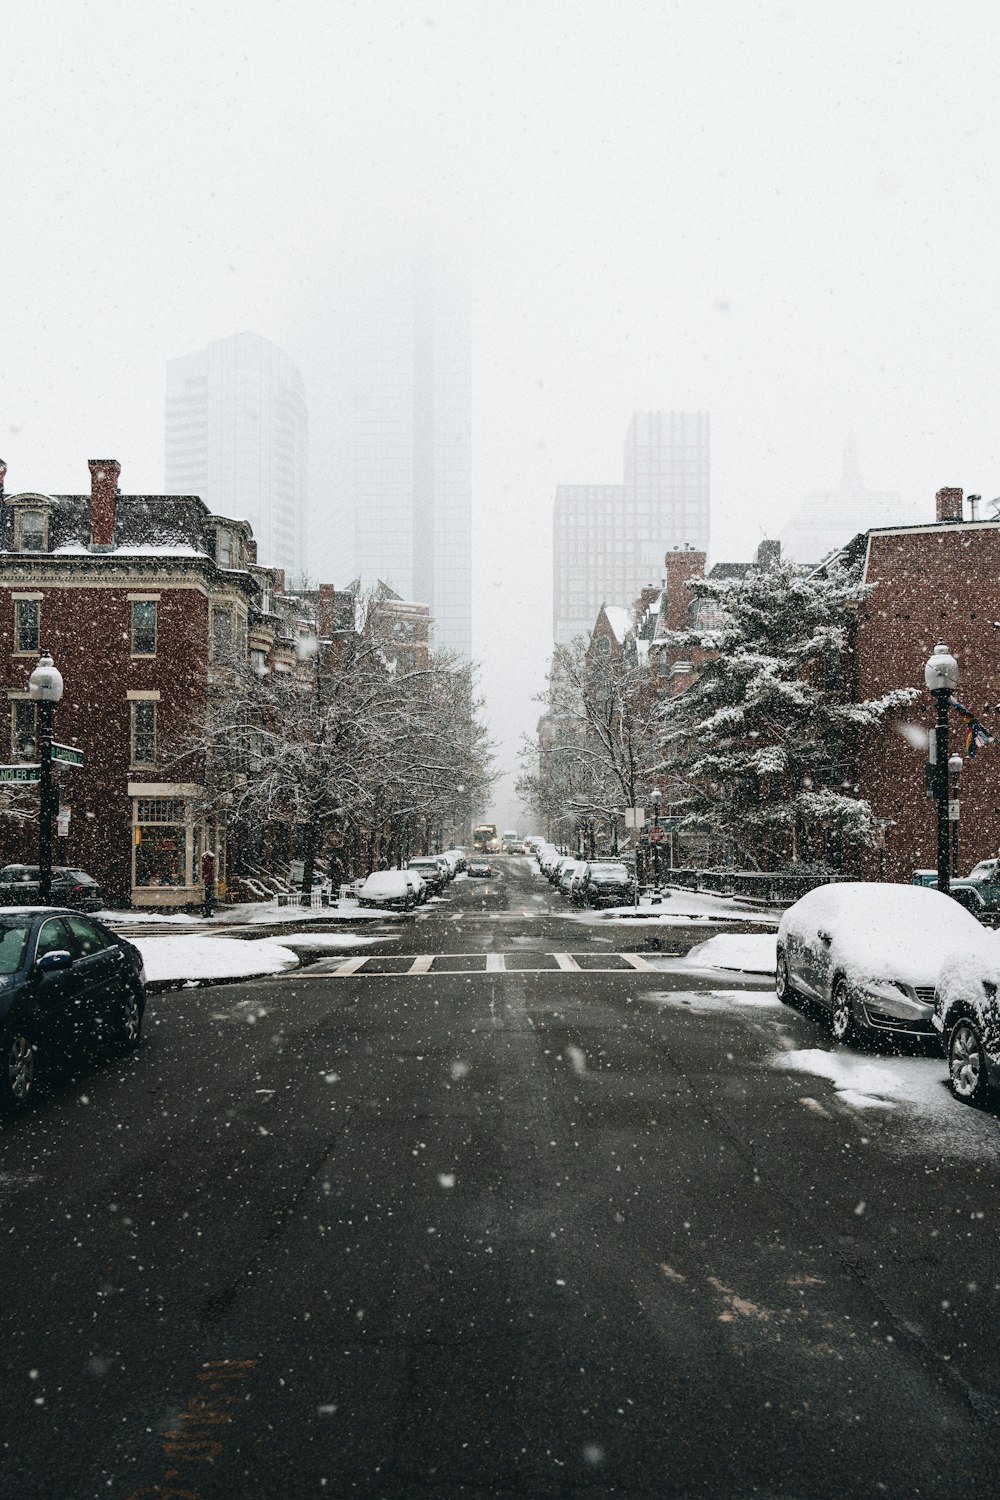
column 655, row 799
column 46, row 688
column 941, row 677
column 955, row 763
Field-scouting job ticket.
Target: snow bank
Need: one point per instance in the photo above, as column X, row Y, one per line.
column 193, row 957
column 747, row 952
column 336, row 941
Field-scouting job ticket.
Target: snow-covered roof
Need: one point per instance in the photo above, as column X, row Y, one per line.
column 620, row 621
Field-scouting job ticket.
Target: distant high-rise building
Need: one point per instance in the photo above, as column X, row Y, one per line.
column 609, row 539
column 394, row 502
column 827, row 520
column 236, row 434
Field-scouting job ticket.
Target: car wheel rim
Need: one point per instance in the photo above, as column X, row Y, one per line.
column 131, row 1019
column 21, row 1068
column 841, row 1013
column 965, row 1061
column 781, row 977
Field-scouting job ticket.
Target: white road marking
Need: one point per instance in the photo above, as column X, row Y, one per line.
column 422, row 964
column 635, row 962
column 495, row 963
column 351, row 966
column 567, row 963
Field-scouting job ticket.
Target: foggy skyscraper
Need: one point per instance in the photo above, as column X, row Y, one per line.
column 609, row 539
column 394, row 502
column 236, row 430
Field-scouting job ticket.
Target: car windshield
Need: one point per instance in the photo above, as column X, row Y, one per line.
column 609, row 872
column 13, row 937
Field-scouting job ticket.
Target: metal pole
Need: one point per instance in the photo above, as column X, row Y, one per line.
column 45, row 803
column 943, row 696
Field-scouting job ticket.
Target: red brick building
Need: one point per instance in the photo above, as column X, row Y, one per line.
column 142, row 600
column 935, row 582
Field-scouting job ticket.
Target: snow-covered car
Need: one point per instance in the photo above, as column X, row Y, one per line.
column 967, row 1016
column 429, row 869
column 605, row 883
column 459, row 856
column 480, row 869
column 570, row 869
column 387, row 888
column 870, row 954
column 417, row 884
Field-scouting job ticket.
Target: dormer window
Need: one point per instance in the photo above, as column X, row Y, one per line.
column 224, row 547
column 31, row 530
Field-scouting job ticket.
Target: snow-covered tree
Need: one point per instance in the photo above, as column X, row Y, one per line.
column 758, row 753
column 596, row 741
column 352, row 752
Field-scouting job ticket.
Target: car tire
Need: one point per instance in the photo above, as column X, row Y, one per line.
column 967, row 1075
column 842, row 1020
column 19, row 1069
column 782, row 984
column 126, row 1028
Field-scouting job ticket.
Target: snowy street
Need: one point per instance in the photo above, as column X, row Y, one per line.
column 501, row 1202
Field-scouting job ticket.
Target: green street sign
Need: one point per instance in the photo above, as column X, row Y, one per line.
column 69, row 754
column 20, row 773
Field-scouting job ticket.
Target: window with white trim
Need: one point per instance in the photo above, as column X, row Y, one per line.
column 143, row 627
column 27, row 624
column 143, row 731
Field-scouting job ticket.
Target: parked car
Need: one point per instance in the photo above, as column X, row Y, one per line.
column 19, row 886
column 66, row 980
column 417, row 884
column 459, row 857
column 570, row 868
column 605, row 883
column 967, row 1016
column 479, row 869
column 870, row 954
column 387, row 888
column 979, row 891
column 430, row 871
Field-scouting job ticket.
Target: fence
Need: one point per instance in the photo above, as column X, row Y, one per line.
column 315, row 901
column 780, row 887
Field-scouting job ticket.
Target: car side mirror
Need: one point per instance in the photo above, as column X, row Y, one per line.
column 59, row 958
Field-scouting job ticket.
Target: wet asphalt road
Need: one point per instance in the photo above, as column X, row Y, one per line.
column 549, row 1231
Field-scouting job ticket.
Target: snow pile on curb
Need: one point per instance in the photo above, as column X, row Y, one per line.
column 174, row 960
column 745, row 952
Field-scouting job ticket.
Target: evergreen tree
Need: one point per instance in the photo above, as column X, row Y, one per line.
column 759, row 752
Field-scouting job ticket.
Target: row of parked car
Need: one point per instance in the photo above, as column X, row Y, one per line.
column 897, row 961
column 584, row 882
column 421, row 878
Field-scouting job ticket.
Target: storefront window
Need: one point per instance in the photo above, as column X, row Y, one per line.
column 161, row 839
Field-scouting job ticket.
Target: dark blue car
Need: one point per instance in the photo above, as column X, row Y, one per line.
column 66, row 982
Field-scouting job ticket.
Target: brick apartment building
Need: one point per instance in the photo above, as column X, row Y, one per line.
column 931, row 582
column 141, row 599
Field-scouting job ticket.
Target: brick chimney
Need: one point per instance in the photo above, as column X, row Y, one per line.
column 949, row 505
column 325, row 613
column 104, row 474
column 3, row 476
column 279, row 580
column 680, row 566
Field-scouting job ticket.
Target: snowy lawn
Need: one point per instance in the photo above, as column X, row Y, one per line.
column 173, row 960
column 746, row 952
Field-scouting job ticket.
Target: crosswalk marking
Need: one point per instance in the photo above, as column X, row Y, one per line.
column 351, row 966
column 635, row 962
column 374, row 965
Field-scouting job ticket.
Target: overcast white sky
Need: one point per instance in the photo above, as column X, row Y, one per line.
column 781, row 212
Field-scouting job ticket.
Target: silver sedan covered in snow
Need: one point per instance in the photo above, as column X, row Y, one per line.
column 870, row 954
